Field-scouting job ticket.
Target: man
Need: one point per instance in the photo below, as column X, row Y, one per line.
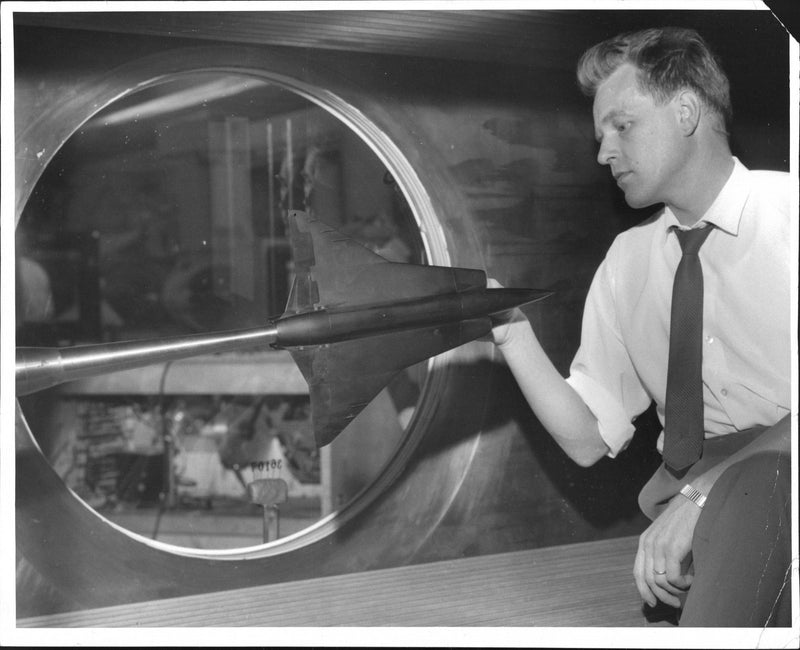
column 720, row 535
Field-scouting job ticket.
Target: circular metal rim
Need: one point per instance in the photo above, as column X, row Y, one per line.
column 436, row 249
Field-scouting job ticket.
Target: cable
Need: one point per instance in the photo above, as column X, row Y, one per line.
column 165, row 435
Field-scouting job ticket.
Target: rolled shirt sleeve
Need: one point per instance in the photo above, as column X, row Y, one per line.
column 602, row 372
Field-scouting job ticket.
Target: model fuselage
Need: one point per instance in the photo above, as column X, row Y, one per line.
column 331, row 325
column 39, row 368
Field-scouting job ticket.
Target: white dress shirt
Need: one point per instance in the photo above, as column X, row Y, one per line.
column 621, row 365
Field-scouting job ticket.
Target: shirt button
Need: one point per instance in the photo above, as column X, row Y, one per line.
column 709, row 339
column 724, row 392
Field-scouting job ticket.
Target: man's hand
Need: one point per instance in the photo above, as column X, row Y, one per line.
column 662, row 548
column 502, row 323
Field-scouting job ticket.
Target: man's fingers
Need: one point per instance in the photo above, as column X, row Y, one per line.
column 678, row 581
column 658, row 579
column 657, row 583
column 665, row 596
column 668, row 579
column 674, row 587
column 639, row 572
column 662, row 548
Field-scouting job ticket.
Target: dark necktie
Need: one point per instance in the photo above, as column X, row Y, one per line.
column 684, row 421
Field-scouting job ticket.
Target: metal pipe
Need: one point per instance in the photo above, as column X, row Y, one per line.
column 40, row 368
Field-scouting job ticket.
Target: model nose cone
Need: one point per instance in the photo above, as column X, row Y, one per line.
column 497, row 300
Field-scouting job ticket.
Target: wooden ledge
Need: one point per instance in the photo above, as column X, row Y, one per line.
column 586, row 584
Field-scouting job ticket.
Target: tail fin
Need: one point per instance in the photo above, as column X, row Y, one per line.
column 344, row 377
column 332, row 270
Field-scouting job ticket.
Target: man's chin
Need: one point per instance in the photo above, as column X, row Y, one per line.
column 637, row 201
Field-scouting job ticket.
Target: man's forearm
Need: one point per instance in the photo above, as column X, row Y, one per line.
column 558, row 407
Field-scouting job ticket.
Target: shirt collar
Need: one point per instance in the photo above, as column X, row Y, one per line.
column 726, row 210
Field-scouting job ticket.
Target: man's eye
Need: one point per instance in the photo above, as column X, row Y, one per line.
column 623, row 126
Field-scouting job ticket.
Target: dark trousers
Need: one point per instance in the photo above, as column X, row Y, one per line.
column 741, row 550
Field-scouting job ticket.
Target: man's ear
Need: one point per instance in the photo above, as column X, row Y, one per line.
column 689, row 111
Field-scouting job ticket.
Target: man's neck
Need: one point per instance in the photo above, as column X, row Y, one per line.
column 703, row 180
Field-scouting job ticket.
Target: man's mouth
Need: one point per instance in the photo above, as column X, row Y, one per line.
column 621, row 176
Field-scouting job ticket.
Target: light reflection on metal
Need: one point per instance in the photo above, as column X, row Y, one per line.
column 180, row 100
column 40, row 368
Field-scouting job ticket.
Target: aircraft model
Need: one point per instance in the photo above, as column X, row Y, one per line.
column 353, row 321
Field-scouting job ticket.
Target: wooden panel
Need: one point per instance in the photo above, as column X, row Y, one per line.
column 558, row 586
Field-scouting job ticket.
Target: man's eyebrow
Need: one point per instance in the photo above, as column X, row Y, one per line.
column 614, row 113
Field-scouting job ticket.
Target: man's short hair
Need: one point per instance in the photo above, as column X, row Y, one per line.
column 668, row 60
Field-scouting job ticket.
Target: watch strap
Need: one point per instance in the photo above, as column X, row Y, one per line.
column 694, row 495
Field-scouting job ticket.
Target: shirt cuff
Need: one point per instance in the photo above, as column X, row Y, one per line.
column 615, row 426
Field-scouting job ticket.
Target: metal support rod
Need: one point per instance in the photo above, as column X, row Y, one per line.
column 39, row 368
column 271, row 516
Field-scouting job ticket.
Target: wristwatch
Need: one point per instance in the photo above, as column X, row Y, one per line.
column 694, row 495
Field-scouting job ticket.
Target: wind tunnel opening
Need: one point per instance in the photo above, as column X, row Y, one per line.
column 164, row 214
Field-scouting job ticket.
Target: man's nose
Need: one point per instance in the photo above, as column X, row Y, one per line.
column 607, row 152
